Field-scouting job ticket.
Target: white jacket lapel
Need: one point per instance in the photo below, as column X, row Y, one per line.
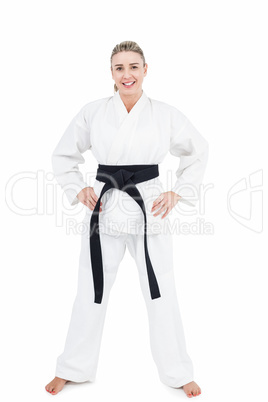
column 127, row 126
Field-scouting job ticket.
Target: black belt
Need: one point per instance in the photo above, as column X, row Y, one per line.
column 124, row 178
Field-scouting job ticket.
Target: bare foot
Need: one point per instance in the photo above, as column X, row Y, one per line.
column 191, row 389
column 55, row 385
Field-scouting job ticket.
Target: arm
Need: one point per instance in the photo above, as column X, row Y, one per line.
column 193, row 149
column 68, row 154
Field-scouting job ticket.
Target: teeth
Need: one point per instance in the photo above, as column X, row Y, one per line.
column 130, row 83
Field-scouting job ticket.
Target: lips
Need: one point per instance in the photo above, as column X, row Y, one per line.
column 129, row 84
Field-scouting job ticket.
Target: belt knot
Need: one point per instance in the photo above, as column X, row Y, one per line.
column 118, row 179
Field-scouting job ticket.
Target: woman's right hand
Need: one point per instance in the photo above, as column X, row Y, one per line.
column 88, row 197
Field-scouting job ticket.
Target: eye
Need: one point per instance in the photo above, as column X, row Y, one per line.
column 118, row 68
column 134, row 66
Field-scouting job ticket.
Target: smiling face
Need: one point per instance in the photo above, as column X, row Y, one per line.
column 128, row 72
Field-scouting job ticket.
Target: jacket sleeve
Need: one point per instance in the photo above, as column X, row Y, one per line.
column 68, row 154
column 192, row 149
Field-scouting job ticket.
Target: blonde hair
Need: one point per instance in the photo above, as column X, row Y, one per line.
column 127, row 46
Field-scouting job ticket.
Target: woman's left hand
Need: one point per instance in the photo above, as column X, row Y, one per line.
column 166, row 201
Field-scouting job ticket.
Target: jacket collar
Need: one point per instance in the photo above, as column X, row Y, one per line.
column 120, row 106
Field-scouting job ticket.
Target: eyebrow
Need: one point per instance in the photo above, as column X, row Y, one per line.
column 122, row 64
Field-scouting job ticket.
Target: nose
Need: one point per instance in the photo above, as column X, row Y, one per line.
column 126, row 74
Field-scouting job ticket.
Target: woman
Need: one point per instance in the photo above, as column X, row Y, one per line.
column 129, row 134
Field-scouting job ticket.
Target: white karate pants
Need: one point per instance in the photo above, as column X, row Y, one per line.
column 79, row 360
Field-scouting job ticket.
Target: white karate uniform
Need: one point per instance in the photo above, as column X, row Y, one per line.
column 116, row 137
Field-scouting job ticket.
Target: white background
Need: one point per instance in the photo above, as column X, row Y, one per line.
column 208, row 59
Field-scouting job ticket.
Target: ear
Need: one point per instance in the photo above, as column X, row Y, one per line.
column 145, row 69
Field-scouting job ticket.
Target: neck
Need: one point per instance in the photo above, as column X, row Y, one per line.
column 130, row 100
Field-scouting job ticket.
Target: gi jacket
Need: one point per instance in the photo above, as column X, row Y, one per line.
column 143, row 136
